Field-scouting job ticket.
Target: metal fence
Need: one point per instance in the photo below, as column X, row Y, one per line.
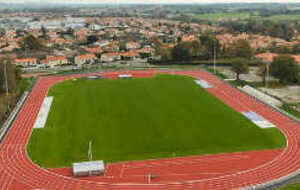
column 12, row 116
column 6, row 125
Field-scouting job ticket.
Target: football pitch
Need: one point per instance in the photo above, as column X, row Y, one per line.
column 138, row 119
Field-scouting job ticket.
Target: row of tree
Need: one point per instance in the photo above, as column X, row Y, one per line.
column 11, row 75
column 283, row 67
column 240, row 53
column 280, row 29
column 204, row 49
column 10, row 79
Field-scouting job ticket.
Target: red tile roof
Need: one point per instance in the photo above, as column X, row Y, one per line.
column 95, row 50
column 268, row 57
column 25, row 60
column 130, row 54
column 54, row 58
column 86, row 56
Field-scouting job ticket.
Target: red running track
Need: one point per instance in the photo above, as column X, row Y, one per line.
column 18, row 172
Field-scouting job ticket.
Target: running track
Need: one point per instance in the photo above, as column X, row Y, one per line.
column 17, row 172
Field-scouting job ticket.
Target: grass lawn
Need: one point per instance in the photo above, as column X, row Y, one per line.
column 283, row 17
column 25, row 83
column 291, row 187
column 136, row 119
column 217, row 16
column 287, row 108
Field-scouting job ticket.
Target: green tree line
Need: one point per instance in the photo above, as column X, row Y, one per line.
column 10, row 87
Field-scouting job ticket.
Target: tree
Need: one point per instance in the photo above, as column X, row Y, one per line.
column 196, row 49
column 92, row 39
column 209, row 43
column 156, row 41
column 239, row 66
column 165, row 53
column 70, row 31
column 285, row 68
column 240, row 48
column 262, row 71
column 282, row 49
column 33, row 43
column 44, row 32
column 181, row 53
column 13, row 74
column 296, row 49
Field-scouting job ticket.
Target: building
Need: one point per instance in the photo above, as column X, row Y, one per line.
column 26, row 62
column 269, row 57
column 130, row 55
column 146, row 52
column 109, row 57
column 189, row 38
column 85, row 59
column 53, row 61
column 132, row 45
column 90, row 168
column 95, row 50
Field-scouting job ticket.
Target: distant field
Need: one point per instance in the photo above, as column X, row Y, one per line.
column 136, row 119
column 283, row 17
column 219, row 16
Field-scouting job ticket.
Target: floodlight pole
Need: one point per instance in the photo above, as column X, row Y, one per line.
column 5, row 76
column 268, row 74
column 215, row 52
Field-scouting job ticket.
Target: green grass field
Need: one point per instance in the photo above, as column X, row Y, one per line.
column 291, row 187
column 136, row 119
column 218, row 16
column 287, row 108
column 283, row 17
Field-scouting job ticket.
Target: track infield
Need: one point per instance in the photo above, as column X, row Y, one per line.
column 137, row 119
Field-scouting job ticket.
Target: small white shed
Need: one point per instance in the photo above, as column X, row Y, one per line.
column 88, row 168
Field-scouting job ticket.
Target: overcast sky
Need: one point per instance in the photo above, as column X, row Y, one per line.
column 151, row 1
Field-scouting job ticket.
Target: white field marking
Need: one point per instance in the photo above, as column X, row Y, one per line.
column 203, row 83
column 258, row 120
column 43, row 113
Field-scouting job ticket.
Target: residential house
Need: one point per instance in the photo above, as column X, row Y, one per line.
column 132, row 45
column 130, row 55
column 53, row 61
column 10, row 34
column 146, row 52
column 26, row 62
column 95, row 50
column 113, row 46
column 110, row 57
column 189, row 38
column 269, row 57
column 84, row 59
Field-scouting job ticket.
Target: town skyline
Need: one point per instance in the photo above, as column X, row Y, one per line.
column 143, row 2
